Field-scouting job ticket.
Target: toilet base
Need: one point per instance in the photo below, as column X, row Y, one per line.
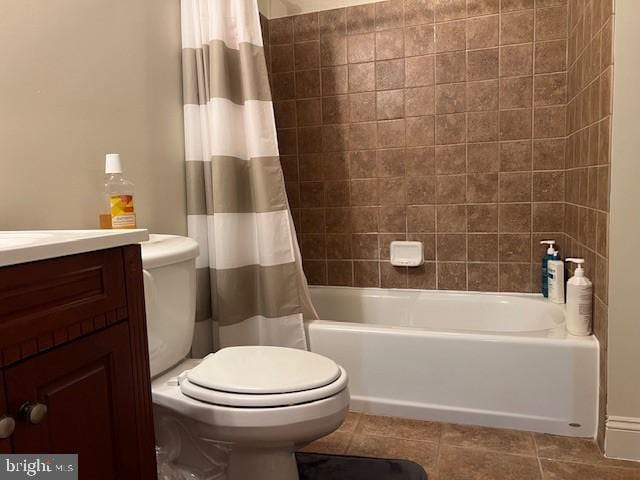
column 262, row 463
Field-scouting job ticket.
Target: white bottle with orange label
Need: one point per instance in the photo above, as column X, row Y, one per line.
column 118, row 208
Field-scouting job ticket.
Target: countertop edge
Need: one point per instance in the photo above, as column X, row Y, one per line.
column 71, row 246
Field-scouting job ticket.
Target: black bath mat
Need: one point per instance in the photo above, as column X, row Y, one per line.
column 316, row 466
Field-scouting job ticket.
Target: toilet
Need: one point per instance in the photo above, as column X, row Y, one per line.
column 239, row 413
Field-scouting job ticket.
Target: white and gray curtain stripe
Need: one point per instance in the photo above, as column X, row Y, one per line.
column 250, row 278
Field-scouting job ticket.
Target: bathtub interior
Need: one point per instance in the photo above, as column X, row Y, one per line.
column 440, row 311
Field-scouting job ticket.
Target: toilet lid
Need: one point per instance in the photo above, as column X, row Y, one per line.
column 271, row 400
column 263, row 370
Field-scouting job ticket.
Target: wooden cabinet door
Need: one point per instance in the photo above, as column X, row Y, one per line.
column 86, row 386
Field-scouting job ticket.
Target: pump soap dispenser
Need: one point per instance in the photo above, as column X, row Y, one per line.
column 550, row 255
column 579, row 301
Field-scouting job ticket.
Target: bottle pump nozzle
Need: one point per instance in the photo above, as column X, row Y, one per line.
column 579, row 271
column 551, row 250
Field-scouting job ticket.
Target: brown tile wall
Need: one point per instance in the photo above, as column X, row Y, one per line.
column 434, row 120
column 590, row 69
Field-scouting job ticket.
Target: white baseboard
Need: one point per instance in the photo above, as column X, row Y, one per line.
column 622, row 439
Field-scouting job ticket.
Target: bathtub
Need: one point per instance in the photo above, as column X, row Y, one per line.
column 498, row 360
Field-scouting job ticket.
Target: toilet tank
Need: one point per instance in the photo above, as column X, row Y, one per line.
column 169, row 273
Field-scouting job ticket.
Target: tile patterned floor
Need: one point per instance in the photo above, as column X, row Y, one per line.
column 460, row 452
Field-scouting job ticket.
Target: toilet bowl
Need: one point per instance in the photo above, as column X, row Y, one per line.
column 239, row 413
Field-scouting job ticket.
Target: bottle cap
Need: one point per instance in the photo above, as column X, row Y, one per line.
column 112, row 163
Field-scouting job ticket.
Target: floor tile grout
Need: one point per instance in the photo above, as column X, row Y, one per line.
column 353, row 432
column 488, row 450
column 587, row 464
column 438, row 448
column 536, row 449
column 540, row 467
column 411, row 439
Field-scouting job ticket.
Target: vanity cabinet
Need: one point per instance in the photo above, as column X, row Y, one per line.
column 74, row 371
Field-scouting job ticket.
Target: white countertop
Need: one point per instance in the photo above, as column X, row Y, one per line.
column 30, row 245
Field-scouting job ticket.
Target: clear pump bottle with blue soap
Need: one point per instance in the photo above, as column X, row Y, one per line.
column 552, row 254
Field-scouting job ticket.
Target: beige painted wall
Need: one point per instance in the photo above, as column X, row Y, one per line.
column 624, row 310
column 264, row 6
column 78, row 79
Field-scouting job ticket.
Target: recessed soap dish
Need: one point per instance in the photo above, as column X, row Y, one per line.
column 407, row 254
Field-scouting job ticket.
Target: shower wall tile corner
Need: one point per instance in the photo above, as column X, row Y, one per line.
column 588, row 160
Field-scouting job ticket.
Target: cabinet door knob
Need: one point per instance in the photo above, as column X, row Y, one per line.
column 33, row 413
column 7, row 426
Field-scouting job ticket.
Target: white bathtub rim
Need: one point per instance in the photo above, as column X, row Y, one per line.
column 529, row 296
column 541, row 336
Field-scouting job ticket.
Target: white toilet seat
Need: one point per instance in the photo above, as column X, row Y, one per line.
column 260, row 369
column 263, row 377
column 252, row 400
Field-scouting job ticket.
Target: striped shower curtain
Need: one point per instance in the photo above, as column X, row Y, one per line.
column 250, row 278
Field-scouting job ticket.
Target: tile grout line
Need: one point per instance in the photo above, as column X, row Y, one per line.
column 435, row 146
column 537, row 450
column 533, row 123
column 439, row 449
column 466, row 146
column 346, row 154
column 500, row 212
column 324, row 190
column 353, row 433
column 375, row 100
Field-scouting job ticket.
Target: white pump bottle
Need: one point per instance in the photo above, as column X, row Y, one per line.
column 579, row 301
